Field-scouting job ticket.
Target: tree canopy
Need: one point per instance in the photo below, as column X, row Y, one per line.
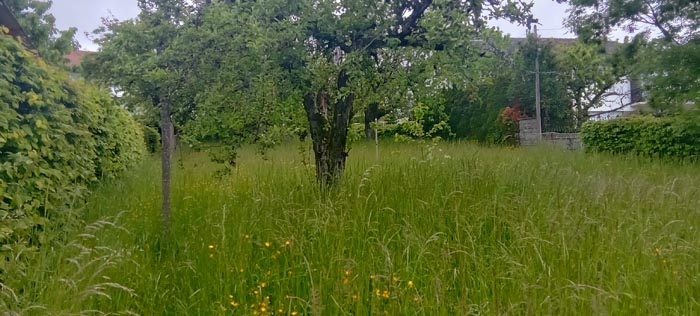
column 40, row 27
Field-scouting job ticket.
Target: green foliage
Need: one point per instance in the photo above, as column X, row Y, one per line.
column 40, row 27
column 151, row 138
column 56, row 138
column 669, row 61
column 557, row 113
column 668, row 137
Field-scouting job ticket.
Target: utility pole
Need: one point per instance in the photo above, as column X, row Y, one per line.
column 538, row 110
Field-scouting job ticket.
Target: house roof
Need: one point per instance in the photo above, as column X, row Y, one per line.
column 8, row 20
column 76, row 57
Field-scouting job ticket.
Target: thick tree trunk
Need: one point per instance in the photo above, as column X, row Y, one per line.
column 328, row 122
column 168, row 142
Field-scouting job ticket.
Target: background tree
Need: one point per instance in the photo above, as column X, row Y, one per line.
column 40, row 26
column 344, row 37
column 590, row 72
column 556, row 104
column 672, row 31
column 135, row 57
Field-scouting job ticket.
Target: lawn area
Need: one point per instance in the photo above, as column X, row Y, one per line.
column 422, row 229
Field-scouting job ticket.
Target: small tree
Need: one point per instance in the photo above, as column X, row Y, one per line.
column 135, row 58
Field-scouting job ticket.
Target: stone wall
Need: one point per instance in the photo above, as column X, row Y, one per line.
column 529, row 136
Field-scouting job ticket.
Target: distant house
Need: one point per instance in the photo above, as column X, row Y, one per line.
column 75, row 58
column 622, row 99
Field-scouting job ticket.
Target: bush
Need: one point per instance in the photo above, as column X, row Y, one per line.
column 668, row 137
column 56, row 138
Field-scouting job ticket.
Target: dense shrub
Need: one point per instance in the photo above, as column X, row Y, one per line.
column 668, row 137
column 57, row 137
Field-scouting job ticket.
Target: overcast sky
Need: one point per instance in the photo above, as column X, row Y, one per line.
column 86, row 16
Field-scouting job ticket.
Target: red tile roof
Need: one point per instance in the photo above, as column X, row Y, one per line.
column 76, row 57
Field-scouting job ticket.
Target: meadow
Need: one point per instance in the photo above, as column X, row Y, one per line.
column 417, row 229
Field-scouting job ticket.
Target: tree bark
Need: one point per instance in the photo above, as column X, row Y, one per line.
column 328, row 123
column 167, row 141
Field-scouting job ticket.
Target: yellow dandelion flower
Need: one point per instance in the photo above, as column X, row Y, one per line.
column 280, row 311
column 410, row 284
column 234, row 303
column 378, row 292
column 263, row 284
column 295, row 313
column 372, row 276
column 230, row 296
column 395, row 278
column 263, row 309
column 288, row 243
column 211, row 246
column 241, row 270
column 267, row 244
column 347, row 272
column 246, row 236
column 256, row 292
column 385, row 294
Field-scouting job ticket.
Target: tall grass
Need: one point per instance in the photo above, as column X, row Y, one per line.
column 449, row 229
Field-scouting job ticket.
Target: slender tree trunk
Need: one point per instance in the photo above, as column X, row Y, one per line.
column 167, row 140
column 328, row 122
column 372, row 113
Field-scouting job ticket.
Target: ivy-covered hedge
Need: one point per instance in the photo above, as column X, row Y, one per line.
column 676, row 138
column 57, row 136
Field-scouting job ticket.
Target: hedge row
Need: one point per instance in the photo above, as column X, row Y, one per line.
column 57, row 137
column 676, row 138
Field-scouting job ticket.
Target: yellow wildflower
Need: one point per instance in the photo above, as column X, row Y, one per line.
column 410, row 284
column 295, row 313
column 211, row 246
column 267, row 244
column 288, row 243
column 246, row 236
column 234, row 303
column 263, row 284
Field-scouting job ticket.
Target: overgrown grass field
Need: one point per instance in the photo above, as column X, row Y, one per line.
column 422, row 229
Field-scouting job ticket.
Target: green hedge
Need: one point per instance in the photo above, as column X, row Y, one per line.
column 676, row 138
column 57, row 137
